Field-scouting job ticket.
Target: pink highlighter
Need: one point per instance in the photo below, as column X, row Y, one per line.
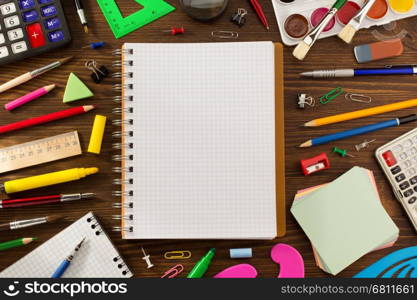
column 29, row 97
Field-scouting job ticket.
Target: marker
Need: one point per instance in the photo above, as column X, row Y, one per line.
column 29, row 183
column 359, row 130
column 201, row 267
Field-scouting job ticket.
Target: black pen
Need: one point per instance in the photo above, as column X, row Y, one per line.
column 81, row 14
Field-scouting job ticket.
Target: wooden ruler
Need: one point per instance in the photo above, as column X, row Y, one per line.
column 39, row 151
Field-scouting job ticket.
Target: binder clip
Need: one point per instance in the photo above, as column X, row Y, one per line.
column 181, row 254
column 238, row 18
column 315, row 164
column 305, row 99
column 98, row 73
column 173, row 272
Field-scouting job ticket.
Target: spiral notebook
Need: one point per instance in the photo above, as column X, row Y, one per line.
column 202, row 151
column 97, row 258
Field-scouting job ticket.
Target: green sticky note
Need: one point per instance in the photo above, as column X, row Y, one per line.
column 345, row 219
column 76, row 89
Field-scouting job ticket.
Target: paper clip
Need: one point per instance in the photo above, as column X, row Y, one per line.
column 181, row 254
column 225, row 34
column 358, row 98
column 326, row 98
column 173, row 272
column 363, row 145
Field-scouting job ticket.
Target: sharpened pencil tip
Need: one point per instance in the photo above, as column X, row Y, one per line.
column 306, row 144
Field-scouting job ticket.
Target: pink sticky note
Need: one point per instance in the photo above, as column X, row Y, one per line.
column 238, row 271
column 291, row 263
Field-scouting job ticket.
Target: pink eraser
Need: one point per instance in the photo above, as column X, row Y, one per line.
column 238, row 271
column 291, row 263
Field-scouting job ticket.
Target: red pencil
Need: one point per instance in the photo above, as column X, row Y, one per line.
column 46, row 118
column 260, row 12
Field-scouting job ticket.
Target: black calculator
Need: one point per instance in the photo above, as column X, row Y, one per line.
column 31, row 27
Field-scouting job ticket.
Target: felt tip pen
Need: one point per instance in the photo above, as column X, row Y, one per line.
column 201, row 267
column 66, row 263
column 387, row 70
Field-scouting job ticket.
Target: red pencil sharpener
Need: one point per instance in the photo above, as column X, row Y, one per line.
column 315, row 164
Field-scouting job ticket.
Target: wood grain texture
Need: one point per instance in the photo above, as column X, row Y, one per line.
column 328, row 53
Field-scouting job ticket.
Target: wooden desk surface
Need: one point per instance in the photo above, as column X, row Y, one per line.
column 327, row 53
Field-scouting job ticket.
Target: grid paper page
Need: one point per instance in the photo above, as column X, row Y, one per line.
column 204, row 140
column 94, row 259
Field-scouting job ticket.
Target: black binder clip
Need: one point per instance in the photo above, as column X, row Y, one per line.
column 239, row 17
column 98, row 73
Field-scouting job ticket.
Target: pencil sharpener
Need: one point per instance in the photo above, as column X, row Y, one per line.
column 315, row 164
column 204, row 10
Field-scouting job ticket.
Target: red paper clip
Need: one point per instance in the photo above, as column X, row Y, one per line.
column 173, row 272
column 315, row 164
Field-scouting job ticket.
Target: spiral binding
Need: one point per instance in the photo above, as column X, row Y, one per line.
column 95, row 225
column 125, row 133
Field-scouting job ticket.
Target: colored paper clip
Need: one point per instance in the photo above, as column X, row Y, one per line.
column 225, row 34
column 358, row 98
column 173, row 272
column 181, row 254
column 326, row 98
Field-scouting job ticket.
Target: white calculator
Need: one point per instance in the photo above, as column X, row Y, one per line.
column 398, row 160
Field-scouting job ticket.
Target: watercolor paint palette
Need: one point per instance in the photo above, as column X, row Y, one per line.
column 296, row 18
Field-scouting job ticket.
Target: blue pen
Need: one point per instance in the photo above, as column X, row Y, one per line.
column 359, row 130
column 66, row 263
column 387, row 70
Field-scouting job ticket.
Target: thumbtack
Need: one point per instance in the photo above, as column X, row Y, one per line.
column 175, row 30
column 94, row 45
column 363, row 145
column 147, row 259
column 341, row 152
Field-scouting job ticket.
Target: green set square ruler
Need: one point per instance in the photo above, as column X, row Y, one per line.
column 152, row 10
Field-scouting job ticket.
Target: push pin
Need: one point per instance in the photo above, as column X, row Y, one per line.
column 147, row 259
column 94, row 45
column 363, row 145
column 98, row 73
column 341, row 152
column 239, row 17
column 176, row 30
column 305, row 99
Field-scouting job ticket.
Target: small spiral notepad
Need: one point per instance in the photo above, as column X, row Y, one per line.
column 199, row 140
column 96, row 258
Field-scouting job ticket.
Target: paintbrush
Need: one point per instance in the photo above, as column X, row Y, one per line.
column 349, row 31
column 304, row 46
column 30, row 222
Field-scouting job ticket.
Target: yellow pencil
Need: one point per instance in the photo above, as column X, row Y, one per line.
column 362, row 113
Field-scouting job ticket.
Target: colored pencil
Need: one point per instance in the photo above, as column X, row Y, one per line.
column 362, row 113
column 259, row 11
column 16, row 243
column 10, row 203
column 29, row 97
column 359, row 130
column 46, row 118
column 30, row 75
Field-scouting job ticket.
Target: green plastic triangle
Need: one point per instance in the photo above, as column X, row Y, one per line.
column 152, row 10
column 76, row 89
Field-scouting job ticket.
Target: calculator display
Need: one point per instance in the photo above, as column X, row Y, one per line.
column 31, row 27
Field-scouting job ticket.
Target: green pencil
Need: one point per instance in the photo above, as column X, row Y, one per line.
column 15, row 243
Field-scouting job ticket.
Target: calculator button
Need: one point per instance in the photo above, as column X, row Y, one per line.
column 8, row 8
column 410, row 172
column 4, row 52
column 413, row 180
column 48, row 11
column 389, row 158
column 19, row 47
column 400, row 177
column 52, row 24
column 398, row 148
column 15, row 34
column 30, row 16
column 56, row 36
column 407, row 143
column 11, row 21
column 403, row 156
column 35, row 34
column 412, row 200
column 2, row 39
column 395, row 170
column 44, row 1
column 404, row 185
column 406, row 164
column 408, row 193
column 26, row 4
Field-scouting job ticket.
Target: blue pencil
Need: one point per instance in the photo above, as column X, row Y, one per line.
column 359, row 130
column 66, row 262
